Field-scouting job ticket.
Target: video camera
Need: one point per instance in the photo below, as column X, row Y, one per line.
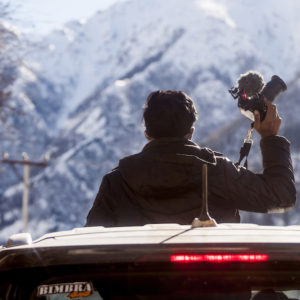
column 252, row 90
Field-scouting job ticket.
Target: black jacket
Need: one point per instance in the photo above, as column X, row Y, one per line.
column 162, row 184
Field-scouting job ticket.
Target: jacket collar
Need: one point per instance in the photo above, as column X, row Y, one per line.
column 180, row 145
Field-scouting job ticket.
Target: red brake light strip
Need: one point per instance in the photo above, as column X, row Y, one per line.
column 218, row 258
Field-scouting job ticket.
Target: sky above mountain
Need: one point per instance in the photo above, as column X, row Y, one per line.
column 40, row 17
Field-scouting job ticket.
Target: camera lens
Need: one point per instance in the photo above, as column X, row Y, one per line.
column 275, row 86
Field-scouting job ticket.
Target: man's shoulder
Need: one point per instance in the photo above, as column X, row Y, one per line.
column 218, row 154
column 113, row 173
column 112, row 176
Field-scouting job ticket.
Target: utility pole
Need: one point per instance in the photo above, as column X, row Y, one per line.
column 27, row 163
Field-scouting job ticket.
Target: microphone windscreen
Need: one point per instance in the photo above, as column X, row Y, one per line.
column 251, row 82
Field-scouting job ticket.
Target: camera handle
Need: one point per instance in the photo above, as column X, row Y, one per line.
column 245, row 149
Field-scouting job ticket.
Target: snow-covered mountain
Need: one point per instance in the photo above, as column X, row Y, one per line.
column 84, row 85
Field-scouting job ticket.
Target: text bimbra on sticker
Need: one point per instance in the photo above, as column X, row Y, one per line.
column 76, row 289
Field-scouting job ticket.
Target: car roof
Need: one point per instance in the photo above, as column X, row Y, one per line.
column 156, row 242
column 168, row 234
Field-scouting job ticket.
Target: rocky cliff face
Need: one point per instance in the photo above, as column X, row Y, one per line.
column 83, row 88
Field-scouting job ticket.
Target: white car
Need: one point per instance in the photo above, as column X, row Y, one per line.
column 163, row 261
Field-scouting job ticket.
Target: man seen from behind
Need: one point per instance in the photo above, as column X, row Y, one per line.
column 162, row 183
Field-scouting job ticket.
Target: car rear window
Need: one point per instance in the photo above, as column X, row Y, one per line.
column 156, row 281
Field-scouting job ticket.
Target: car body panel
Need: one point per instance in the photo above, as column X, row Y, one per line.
column 158, row 242
column 168, row 234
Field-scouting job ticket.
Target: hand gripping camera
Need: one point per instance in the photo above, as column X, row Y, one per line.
column 251, row 93
column 252, row 90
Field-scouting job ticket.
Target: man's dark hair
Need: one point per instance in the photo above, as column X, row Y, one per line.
column 169, row 114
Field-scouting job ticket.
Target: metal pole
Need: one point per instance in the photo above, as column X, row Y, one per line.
column 25, row 194
column 27, row 163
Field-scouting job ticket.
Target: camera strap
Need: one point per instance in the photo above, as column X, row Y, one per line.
column 245, row 149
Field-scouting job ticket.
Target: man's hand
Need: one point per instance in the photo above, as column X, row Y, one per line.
column 271, row 124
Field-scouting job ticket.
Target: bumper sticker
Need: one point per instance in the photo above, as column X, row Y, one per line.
column 74, row 289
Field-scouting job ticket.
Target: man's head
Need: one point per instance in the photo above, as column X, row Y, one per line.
column 169, row 114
